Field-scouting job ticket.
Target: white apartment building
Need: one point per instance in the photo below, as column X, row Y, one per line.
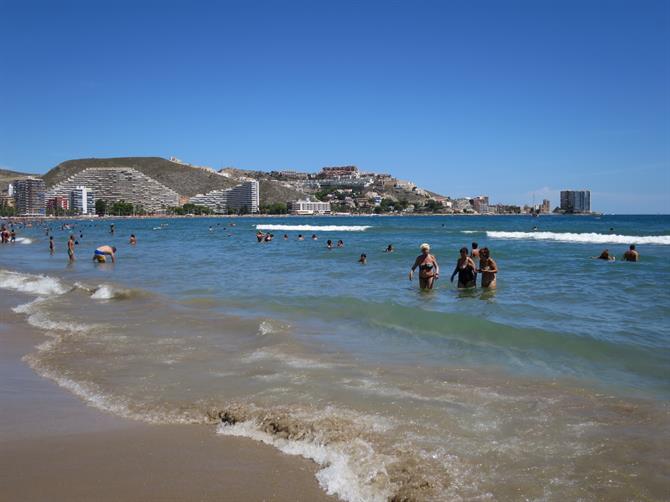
column 244, row 197
column 309, row 207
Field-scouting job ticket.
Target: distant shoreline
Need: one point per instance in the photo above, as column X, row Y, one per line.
column 338, row 215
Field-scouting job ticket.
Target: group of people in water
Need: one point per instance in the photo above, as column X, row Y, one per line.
column 471, row 263
column 7, row 234
column 630, row 255
column 466, row 269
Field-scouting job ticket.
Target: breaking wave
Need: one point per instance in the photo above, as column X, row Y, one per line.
column 109, row 292
column 24, row 240
column 585, row 238
column 316, row 228
column 41, row 285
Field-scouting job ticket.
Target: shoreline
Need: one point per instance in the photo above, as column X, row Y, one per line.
column 56, row 447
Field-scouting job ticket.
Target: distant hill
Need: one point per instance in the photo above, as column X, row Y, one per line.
column 185, row 180
column 6, row 177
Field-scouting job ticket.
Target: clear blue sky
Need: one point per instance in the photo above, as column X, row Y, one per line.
column 506, row 98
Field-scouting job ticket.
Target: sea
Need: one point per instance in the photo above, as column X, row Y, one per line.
column 555, row 386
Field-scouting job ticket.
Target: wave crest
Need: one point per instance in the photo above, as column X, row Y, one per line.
column 41, row 285
column 316, row 228
column 584, row 238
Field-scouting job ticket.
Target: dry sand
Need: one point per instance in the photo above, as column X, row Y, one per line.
column 53, row 447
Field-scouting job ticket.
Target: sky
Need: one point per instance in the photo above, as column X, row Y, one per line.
column 513, row 99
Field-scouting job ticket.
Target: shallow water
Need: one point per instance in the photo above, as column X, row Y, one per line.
column 553, row 387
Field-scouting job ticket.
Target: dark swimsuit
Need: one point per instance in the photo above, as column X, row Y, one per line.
column 466, row 275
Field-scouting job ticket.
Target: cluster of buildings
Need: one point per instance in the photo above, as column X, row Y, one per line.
column 78, row 194
column 337, row 188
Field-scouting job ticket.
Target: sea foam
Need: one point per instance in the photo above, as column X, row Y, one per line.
column 585, row 238
column 41, row 285
column 350, row 470
column 316, row 228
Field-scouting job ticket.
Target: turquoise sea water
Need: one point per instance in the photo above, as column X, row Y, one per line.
column 558, row 318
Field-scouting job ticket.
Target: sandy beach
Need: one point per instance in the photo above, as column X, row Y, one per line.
column 54, row 447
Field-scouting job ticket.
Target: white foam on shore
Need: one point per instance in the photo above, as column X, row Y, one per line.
column 585, row 238
column 41, row 285
column 109, row 292
column 315, row 228
column 352, row 470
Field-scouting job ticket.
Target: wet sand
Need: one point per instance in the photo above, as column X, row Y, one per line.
column 54, row 447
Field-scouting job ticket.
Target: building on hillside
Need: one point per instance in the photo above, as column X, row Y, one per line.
column 576, row 201
column 29, row 197
column 339, row 172
column 545, row 208
column 243, row 198
column 113, row 184
column 309, row 207
column 82, row 200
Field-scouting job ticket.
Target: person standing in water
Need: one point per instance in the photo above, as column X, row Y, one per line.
column 429, row 270
column 488, row 268
column 101, row 253
column 465, row 268
column 363, row 259
column 329, row 244
column 70, row 248
column 475, row 251
column 52, row 248
column 631, row 254
column 133, row 239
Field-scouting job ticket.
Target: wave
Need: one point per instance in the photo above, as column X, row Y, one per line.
column 341, row 473
column 109, row 292
column 316, row 228
column 24, row 240
column 585, row 238
column 41, row 285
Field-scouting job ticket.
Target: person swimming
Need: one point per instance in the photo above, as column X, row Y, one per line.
column 285, row 237
column 260, row 236
column 300, row 237
column 429, row 270
column 605, row 255
column 340, row 243
column 465, row 269
column 314, row 237
column 101, row 253
column 631, row 254
column 329, row 244
column 133, row 239
column 269, row 237
column 363, row 259
column 389, row 249
column 488, row 268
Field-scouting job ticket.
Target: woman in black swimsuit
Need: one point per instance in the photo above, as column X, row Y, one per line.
column 465, row 268
column 429, row 270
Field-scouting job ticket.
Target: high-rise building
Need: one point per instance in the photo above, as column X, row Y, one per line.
column 243, row 198
column 82, row 200
column 546, row 206
column 480, row 203
column 29, row 196
column 576, row 201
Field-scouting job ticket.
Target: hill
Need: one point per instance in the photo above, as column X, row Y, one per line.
column 6, row 177
column 185, row 180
